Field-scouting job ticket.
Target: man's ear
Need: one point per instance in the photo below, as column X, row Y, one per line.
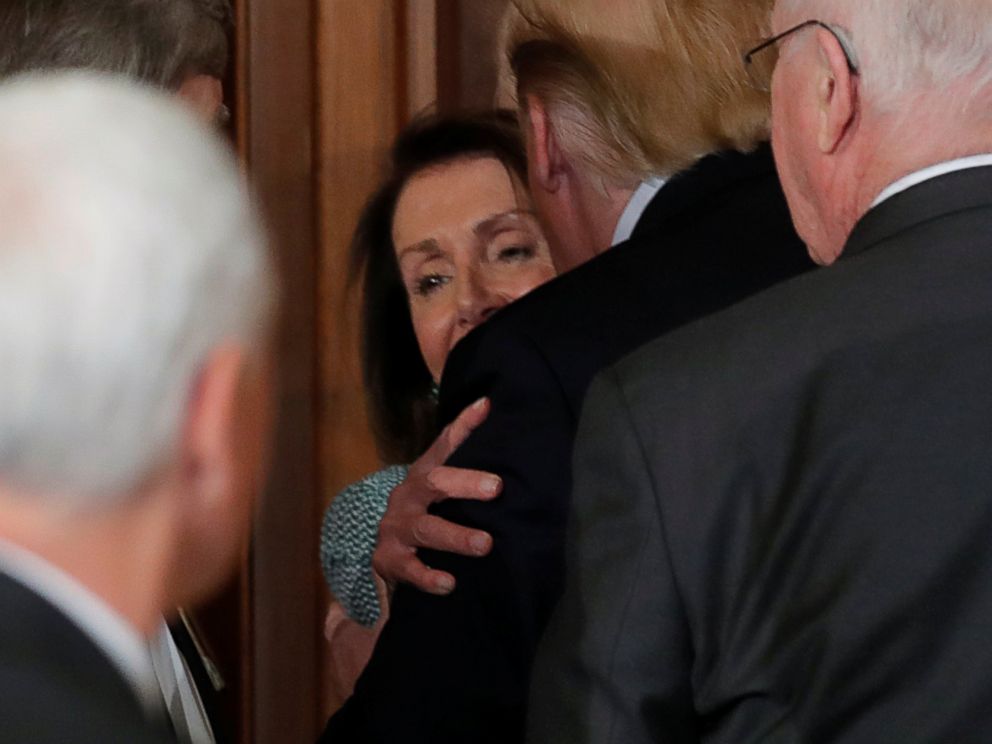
column 836, row 93
column 210, row 434
column 546, row 160
column 204, row 94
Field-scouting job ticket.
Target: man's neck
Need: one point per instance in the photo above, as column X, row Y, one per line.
column 121, row 556
column 604, row 207
column 895, row 156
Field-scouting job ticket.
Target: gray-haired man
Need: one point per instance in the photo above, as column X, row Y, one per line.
column 180, row 46
column 136, row 298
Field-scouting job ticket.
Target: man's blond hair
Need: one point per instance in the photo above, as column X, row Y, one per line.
column 641, row 87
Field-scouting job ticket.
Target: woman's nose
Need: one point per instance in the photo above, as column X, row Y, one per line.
column 477, row 300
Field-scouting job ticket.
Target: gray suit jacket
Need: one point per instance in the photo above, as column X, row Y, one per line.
column 782, row 514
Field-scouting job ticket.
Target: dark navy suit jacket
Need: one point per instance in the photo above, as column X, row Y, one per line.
column 457, row 668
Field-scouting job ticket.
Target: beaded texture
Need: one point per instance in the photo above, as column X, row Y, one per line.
column 347, row 540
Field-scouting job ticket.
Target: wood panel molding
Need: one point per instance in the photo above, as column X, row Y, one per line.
column 321, row 88
column 362, row 101
column 277, row 113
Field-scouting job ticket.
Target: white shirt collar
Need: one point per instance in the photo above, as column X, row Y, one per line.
column 114, row 635
column 639, row 201
column 940, row 169
column 182, row 700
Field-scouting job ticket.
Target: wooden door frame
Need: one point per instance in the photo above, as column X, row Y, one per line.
column 275, row 111
column 316, row 105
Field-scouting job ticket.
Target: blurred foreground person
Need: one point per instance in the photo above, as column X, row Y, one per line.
column 135, row 303
column 660, row 200
column 782, row 514
column 179, row 46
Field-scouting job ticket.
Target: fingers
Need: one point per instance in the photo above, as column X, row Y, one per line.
column 411, row 570
column 466, row 422
column 454, row 434
column 439, row 534
column 335, row 616
column 406, row 525
column 403, row 531
column 447, row 482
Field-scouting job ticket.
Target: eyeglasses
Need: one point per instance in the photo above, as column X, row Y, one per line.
column 761, row 74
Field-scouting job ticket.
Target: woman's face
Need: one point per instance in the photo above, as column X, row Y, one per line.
column 467, row 243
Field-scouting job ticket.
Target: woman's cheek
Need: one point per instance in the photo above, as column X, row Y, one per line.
column 530, row 277
column 433, row 327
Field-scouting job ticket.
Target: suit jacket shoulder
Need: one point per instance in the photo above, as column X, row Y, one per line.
column 56, row 686
column 819, row 466
column 917, row 260
column 712, row 236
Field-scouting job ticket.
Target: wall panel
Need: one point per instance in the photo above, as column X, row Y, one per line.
column 277, row 109
column 321, row 87
column 362, row 102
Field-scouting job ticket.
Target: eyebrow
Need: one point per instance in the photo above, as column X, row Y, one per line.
column 486, row 227
column 491, row 224
column 427, row 246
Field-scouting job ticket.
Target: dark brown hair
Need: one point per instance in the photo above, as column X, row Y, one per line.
column 397, row 382
column 159, row 42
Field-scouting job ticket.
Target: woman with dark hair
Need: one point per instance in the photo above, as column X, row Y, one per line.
column 447, row 239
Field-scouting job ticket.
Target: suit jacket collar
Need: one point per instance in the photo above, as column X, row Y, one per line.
column 954, row 192
column 113, row 634
column 699, row 185
column 36, row 635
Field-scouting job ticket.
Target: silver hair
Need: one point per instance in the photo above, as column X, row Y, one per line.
column 909, row 46
column 129, row 251
column 160, row 42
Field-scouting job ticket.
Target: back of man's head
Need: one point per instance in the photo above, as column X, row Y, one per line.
column 159, row 42
column 914, row 48
column 128, row 254
column 644, row 87
column 871, row 91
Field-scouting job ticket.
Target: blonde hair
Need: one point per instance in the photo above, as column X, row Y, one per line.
column 645, row 87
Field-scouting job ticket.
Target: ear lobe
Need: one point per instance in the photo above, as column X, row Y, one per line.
column 545, row 159
column 209, row 435
column 836, row 94
column 204, row 94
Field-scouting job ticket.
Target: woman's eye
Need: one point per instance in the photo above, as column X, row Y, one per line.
column 430, row 283
column 516, row 253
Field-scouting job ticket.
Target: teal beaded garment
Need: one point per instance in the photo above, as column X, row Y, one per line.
column 347, row 541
